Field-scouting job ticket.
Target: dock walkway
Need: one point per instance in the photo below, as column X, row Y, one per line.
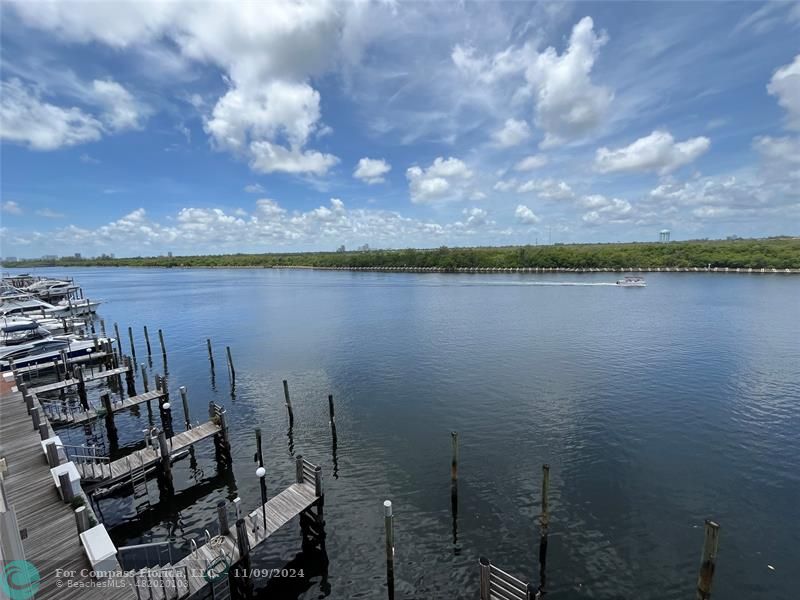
column 48, row 525
column 108, row 472
column 60, row 414
column 187, row 577
column 59, row 385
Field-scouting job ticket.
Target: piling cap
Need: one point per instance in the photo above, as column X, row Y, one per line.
column 261, row 471
column 387, row 508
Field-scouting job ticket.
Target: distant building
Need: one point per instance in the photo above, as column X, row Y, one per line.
column 663, row 235
column 50, row 257
column 169, row 254
column 78, row 255
column 10, row 259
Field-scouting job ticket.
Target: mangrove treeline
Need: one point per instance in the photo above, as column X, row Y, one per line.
column 779, row 253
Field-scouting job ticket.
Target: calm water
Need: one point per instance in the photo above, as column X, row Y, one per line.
column 656, row 408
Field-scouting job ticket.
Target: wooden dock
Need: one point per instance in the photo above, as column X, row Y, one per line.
column 188, row 576
column 47, row 524
column 97, row 471
column 60, row 385
column 60, row 414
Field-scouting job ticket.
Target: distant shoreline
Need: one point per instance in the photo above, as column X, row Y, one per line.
column 459, row 270
column 771, row 255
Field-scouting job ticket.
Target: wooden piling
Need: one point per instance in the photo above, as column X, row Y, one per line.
column 147, row 341
column 67, row 493
column 708, row 560
column 163, row 347
column 288, row 402
column 119, row 341
column 105, row 400
column 454, row 462
column 53, row 459
column 486, row 569
column 259, row 453
column 166, row 464
column 82, row 519
column 145, row 383
column 210, row 353
column 330, row 408
column 185, row 402
column 130, row 337
column 231, row 370
column 82, row 390
column 241, row 538
column 298, row 468
column 44, row 432
column 36, row 417
column 222, row 518
column 129, row 375
column 544, row 523
column 103, row 327
column 318, row 481
column 388, row 523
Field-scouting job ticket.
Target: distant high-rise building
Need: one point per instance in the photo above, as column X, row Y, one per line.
column 50, row 257
column 169, row 254
column 78, row 255
column 10, row 259
column 663, row 235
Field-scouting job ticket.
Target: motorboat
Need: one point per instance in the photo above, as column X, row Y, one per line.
column 631, row 281
column 52, row 289
column 46, row 350
column 16, row 332
column 28, row 305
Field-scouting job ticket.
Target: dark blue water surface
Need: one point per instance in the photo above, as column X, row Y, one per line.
column 656, row 408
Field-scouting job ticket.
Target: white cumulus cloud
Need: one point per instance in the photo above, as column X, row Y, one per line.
column 531, row 163
column 120, row 110
column 26, row 118
column 657, row 152
column 785, row 84
column 371, row 170
column 568, row 104
column 513, row 133
column 12, row 208
column 526, row 215
column 444, row 179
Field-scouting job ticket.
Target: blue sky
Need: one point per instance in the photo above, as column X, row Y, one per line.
column 143, row 128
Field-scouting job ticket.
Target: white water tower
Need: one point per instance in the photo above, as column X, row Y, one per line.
column 663, row 235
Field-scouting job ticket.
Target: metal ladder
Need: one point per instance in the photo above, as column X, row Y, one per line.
column 138, row 477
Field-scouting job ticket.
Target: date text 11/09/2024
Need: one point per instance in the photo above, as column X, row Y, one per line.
column 266, row 573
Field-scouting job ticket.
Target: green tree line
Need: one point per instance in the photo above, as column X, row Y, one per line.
column 779, row 253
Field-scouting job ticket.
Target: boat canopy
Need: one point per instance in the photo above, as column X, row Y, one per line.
column 13, row 328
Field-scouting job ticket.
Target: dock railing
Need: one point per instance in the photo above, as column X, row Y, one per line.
column 496, row 584
column 307, row 472
column 87, row 456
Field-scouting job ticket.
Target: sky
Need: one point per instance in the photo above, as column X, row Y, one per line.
column 141, row 128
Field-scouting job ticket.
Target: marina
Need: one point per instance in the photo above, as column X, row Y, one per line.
column 94, row 401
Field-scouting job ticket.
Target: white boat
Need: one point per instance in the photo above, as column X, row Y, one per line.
column 45, row 350
column 30, row 306
column 27, row 343
column 631, row 281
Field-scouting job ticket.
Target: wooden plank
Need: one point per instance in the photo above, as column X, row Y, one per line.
column 51, row 387
column 120, row 468
column 52, row 537
column 279, row 511
column 58, row 415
